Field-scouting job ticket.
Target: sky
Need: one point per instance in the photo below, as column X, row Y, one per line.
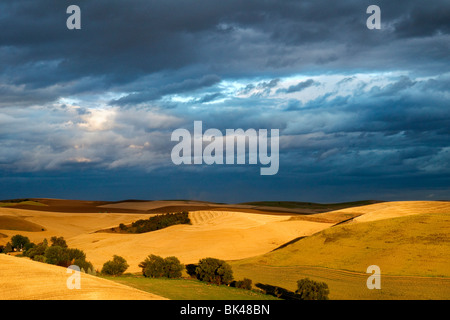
column 88, row 114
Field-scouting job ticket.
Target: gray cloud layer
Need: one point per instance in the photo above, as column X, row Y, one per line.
column 121, row 42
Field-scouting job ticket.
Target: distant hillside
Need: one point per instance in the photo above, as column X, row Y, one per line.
column 317, row 207
column 168, row 206
column 20, row 202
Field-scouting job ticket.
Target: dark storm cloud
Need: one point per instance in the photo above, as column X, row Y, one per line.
column 403, row 105
column 121, row 42
column 425, row 21
column 268, row 85
column 299, row 86
column 394, row 88
column 210, row 97
column 292, row 105
column 173, row 88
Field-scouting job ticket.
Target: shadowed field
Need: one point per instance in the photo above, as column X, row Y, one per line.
column 19, row 224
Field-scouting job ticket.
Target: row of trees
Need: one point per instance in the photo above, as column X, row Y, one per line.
column 17, row 243
column 57, row 252
column 219, row 272
column 209, row 270
column 216, row 271
column 157, row 222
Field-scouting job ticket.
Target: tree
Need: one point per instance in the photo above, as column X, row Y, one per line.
column 312, row 290
column 56, row 255
column 172, row 267
column 58, row 241
column 153, row 266
column 74, row 254
column 214, row 271
column 18, row 241
column 115, row 267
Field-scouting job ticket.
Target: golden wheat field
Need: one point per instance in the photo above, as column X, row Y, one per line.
column 23, row 279
column 222, row 234
column 412, row 252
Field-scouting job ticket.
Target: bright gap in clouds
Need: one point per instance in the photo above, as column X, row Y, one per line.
column 303, row 88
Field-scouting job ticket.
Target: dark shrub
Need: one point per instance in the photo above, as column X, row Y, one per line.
column 38, row 250
column 122, row 227
column 215, row 271
column 39, row 258
column 115, row 267
column 312, row 290
column 242, row 284
column 190, row 269
column 278, row 292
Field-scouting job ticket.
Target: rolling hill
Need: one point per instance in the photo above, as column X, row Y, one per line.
column 411, row 251
column 23, row 279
